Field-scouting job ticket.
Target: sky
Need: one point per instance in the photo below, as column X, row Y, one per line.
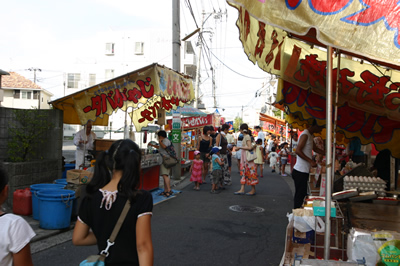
column 49, row 35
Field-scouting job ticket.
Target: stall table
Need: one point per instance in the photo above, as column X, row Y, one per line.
column 371, row 216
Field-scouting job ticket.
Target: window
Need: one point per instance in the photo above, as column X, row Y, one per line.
column 92, row 80
column 73, row 79
column 110, row 48
column 26, row 95
column 139, row 47
column 17, row 94
column 36, row 95
column 109, row 74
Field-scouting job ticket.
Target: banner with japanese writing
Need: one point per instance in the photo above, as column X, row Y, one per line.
column 368, row 28
column 362, row 85
column 145, row 90
column 195, row 121
column 304, row 105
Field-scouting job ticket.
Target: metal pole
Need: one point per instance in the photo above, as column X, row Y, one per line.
column 200, row 45
column 328, row 151
column 176, row 65
column 335, row 119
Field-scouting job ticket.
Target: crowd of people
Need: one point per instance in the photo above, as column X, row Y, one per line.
column 217, row 147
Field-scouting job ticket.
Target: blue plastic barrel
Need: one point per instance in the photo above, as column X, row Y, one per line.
column 67, row 166
column 35, row 201
column 61, row 181
column 55, row 208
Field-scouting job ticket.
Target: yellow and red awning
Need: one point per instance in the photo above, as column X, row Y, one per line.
column 146, row 90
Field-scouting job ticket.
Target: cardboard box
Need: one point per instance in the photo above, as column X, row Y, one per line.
column 77, row 188
column 75, row 176
column 319, row 209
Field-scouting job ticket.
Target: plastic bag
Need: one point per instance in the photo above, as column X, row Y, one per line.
column 305, row 221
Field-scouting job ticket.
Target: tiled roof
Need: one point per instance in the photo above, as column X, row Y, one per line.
column 15, row 80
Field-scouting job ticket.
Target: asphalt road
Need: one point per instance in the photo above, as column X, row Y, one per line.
column 198, row 228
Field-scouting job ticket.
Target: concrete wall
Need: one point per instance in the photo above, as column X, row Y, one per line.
column 47, row 166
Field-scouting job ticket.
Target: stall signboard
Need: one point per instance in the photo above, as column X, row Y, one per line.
column 273, row 125
column 176, row 135
column 176, row 119
column 194, row 122
column 145, row 91
column 368, row 86
column 230, row 123
column 368, row 28
column 304, row 105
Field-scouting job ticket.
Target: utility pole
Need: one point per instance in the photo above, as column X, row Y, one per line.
column 176, row 65
column 200, row 47
column 34, row 81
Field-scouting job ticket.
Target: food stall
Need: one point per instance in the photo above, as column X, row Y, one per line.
column 193, row 126
column 284, row 38
column 141, row 93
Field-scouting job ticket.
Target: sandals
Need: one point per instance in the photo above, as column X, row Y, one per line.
column 166, row 193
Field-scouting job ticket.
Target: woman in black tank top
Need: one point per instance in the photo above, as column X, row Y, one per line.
column 204, row 145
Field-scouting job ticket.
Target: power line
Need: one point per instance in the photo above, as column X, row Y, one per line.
column 234, row 70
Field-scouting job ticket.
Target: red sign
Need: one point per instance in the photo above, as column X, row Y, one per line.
column 193, row 122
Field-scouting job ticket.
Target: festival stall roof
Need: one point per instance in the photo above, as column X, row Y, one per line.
column 145, row 90
column 369, row 99
column 273, row 125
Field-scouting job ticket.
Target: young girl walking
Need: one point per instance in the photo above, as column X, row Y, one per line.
column 260, row 158
column 196, row 169
column 273, row 159
column 283, row 154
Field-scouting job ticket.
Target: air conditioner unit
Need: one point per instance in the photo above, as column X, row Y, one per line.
column 190, row 70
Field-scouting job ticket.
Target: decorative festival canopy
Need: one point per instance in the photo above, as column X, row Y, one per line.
column 366, row 29
column 146, row 90
column 368, row 90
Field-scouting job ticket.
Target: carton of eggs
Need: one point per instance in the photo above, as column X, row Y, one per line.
column 364, row 183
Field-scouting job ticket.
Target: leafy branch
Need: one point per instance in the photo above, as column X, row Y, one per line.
column 26, row 134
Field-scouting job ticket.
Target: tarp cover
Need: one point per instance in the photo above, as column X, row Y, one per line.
column 303, row 105
column 365, row 27
column 145, row 90
column 364, row 86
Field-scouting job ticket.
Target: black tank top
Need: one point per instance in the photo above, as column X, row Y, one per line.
column 204, row 145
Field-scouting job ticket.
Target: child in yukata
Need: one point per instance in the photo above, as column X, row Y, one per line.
column 273, row 159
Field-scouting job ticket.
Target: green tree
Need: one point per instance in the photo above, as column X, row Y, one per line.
column 236, row 124
column 277, row 113
column 26, row 134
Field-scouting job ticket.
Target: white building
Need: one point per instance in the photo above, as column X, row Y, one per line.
column 118, row 53
column 21, row 93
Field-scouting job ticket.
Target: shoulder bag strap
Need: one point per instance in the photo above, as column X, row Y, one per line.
column 111, row 241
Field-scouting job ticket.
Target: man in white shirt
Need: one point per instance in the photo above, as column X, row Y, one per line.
column 260, row 135
column 304, row 162
column 84, row 141
column 15, row 233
